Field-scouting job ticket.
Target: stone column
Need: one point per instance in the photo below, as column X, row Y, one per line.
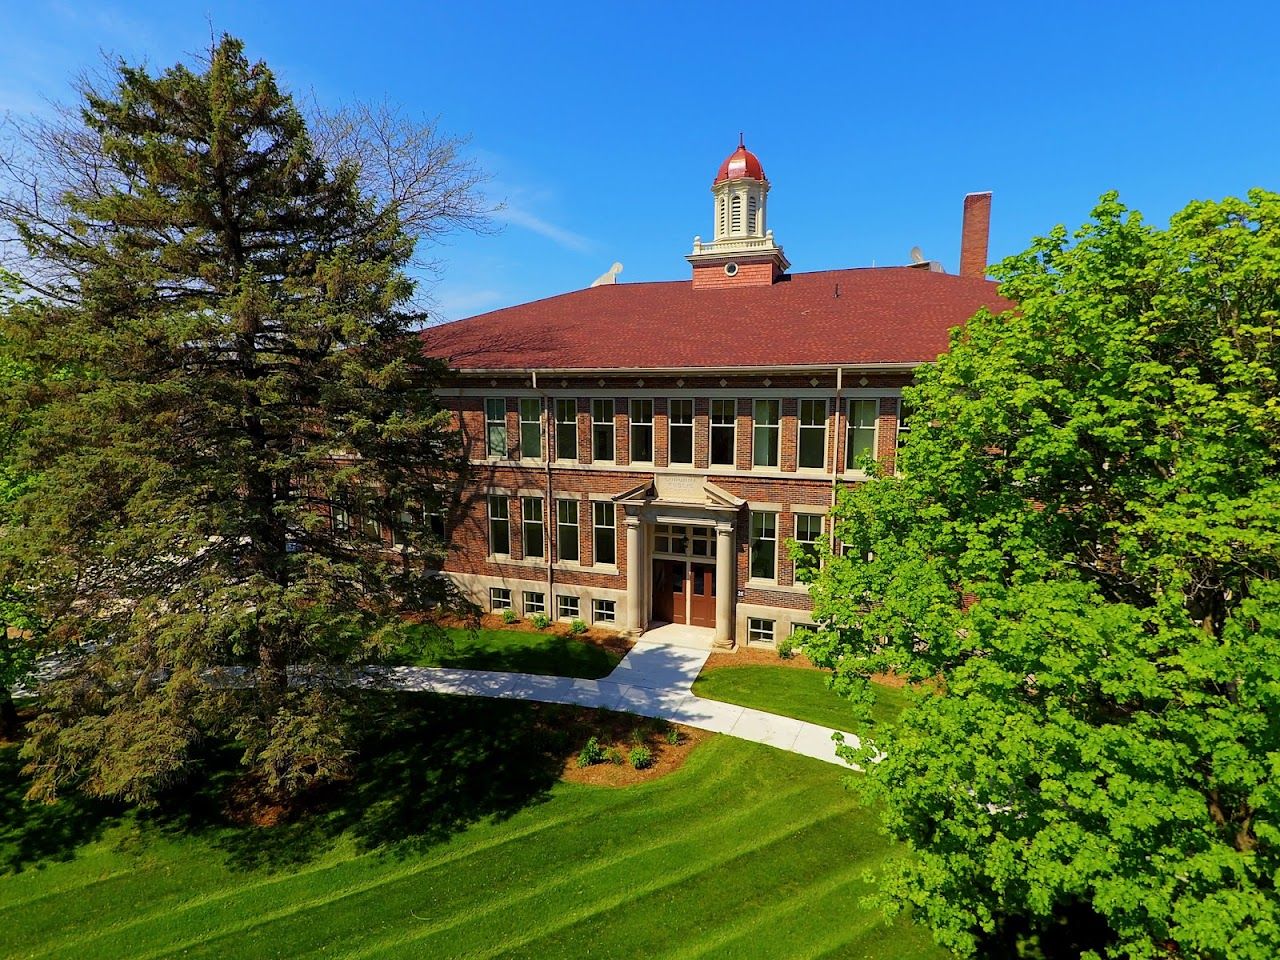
column 726, row 558
column 635, row 577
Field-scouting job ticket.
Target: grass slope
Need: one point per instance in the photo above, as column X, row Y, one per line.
column 515, row 651
column 460, row 841
column 793, row 692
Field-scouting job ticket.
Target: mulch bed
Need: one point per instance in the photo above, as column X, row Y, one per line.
column 616, row 731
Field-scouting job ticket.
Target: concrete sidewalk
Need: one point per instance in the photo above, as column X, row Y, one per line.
column 652, row 680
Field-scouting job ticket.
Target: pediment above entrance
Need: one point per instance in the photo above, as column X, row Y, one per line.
column 680, row 489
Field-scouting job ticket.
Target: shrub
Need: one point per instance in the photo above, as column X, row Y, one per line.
column 509, row 616
column 591, row 753
column 673, row 736
column 578, row 626
column 637, row 737
column 540, row 621
column 614, row 756
column 788, row 647
column 641, row 757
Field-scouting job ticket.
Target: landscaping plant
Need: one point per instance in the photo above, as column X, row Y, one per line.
column 641, row 757
column 1080, row 555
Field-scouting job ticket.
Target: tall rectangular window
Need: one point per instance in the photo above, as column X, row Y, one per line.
column 499, row 527
column 605, row 537
column 642, row 431
column 566, row 429
column 601, row 430
column 680, row 431
column 340, row 517
column 862, row 432
column 531, row 525
column 808, row 533
column 764, row 545
column 567, row 529
column 495, row 426
column 530, row 428
column 904, row 422
column 764, row 436
column 811, row 444
column 724, row 425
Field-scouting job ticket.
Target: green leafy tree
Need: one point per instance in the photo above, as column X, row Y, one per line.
column 1078, row 564
column 227, row 411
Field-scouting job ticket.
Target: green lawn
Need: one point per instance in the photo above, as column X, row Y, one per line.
column 517, row 651
column 460, row 841
column 794, row 692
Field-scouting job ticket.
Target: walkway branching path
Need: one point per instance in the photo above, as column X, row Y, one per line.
column 653, row 680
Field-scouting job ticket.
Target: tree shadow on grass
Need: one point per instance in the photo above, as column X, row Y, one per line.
column 36, row 833
column 429, row 766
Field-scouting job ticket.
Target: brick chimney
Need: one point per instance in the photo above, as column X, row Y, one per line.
column 974, row 234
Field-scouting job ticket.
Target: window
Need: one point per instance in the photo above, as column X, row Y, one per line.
column 724, row 424
column 764, row 545
column 703, row 542
column 808, row 533
column 801, row 629
column 499, row 527
column 680, row 431
column 534, row 602
column 495, row 422
column 601, row 430
column 340, row 518
column 904, row 422
column 417, row 518
column 812, row 442
column 499, row 599
column 862, row 432
column 606, row 547
column 642, row 431
column 735, row 214
column 764, row 442
column 758, row 631
column 567, row 529
column 530, row 428
column 370, row 528
column 604, row 611
column 566, row 429
column 566, row 607
column 531, row 525
column 751, row 214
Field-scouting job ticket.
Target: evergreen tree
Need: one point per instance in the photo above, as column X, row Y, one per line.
column 228, row 404
column 1093, row 763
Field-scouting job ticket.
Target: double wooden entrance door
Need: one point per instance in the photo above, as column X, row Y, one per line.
column 684, row 592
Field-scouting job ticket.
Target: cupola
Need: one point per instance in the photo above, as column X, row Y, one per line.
column 743, row 251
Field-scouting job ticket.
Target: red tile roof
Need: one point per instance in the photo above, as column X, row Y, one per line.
column 881, row 315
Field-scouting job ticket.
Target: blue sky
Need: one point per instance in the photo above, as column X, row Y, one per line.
column 602, row 124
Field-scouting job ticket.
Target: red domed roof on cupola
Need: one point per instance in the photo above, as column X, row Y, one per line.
column 742, row 164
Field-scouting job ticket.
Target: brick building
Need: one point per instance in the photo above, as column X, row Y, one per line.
column 641, row 453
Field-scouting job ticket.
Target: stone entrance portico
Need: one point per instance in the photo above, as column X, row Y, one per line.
column 683, row 517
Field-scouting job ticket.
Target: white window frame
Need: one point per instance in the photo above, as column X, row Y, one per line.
column 822, row 529
column 761, row 630
column 540, row 525
column 801, row 427
column 571, row 405
column 850, row 461
column 563, row 601
column 532, row 602
column 757, row 426
column 635, row 424
column 673, row 424
column 711, row 432
column 499, row 602
column 610, row 423
column 563, row 525
column 751, row 544
column 490, row 425
column 524, row 405
column 606, row 508
column 505, row 519
column 598, row 611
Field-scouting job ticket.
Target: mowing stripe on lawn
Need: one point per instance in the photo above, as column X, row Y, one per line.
column 614, row 900
column 671, row 799
column 455, row 918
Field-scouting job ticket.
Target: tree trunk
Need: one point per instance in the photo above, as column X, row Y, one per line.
column 273, row 679
column 8, row 715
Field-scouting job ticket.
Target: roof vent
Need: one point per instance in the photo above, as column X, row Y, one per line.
column 609, row 276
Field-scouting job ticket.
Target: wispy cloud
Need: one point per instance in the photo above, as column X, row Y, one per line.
column 520, row 217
